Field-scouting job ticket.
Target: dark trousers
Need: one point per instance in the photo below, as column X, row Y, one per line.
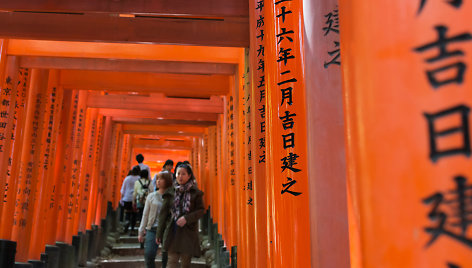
column 130, row 216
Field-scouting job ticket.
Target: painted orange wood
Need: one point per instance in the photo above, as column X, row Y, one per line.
column 105, row 172
column 8, row 94
column 233, row 8
column 408, row 167
column 76, row 162
column 95, row 179
column 258, row 119
column 30, row 156
column 15, row 152
column 171, row 85
column 19, row 47
column 287, row 146
column 230, row 32
column 46, row 182
column 326, row 142
column 170, row 115
column 127, row 65
column 61, row 166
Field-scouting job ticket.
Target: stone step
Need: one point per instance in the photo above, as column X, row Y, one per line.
column 128, row 239
column 138, row 262
column 127, row 249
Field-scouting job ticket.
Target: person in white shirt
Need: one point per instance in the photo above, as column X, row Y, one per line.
column 150, row 220
column 142, row 166
column 127, row 190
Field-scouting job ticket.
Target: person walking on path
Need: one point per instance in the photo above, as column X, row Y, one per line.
column 141, row 191
column 168, row 165
column 142, row 166
column 127, row 198
column 182, row 241
column 150, row 221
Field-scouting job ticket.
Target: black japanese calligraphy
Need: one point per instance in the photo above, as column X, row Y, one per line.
column 460, row 111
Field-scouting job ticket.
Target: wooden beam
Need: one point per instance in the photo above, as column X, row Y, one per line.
column 161, row 144
column 178, row 85
column 163, row 133
column 119, row 65
column 17, row 47
column 176, row 129
column 218, row 8
column 160, row 122
column 125, row 102
column 171, row 115
column 233, row 32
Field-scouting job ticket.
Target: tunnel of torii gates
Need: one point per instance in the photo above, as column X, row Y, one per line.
column 304, row 161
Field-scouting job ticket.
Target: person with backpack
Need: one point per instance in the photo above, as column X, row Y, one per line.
column 151, row 219
column 141, row 191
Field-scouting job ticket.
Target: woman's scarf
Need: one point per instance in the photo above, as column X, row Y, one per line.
column 182, row 199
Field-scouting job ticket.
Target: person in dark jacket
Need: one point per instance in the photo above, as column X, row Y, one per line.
column 182, row 241
column 165, row 221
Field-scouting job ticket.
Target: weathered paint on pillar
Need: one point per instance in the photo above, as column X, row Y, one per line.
column 12, row 171
column 287, row 146
column 407, row 94
column 326, row 144
column 26, row 197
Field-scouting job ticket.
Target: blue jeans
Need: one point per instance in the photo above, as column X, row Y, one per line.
column 150, row 248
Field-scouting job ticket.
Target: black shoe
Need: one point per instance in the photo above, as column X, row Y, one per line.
column 142, row 246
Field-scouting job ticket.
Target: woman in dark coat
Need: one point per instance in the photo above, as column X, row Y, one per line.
column 181, row 239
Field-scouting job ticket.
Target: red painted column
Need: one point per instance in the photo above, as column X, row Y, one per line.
column 63, row 168
column 76, row 162
column 326, row 142
column 287, row 143
column 30, row 155
column 258, row 117
column 408, row 99
column 86, row 167
column 46, row 186
column 12, row 171
column 105, row 170
column 8, row 94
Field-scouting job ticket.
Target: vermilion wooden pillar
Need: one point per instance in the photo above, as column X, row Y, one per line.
column 115, row 195
column 43, row 226
column 287, row 147
column 105, row 158
column 30, row 155
column 95, row 176
column 86, row 171
column 76, row 162
column 409, row 168
column 64, row 167
column 258, row 117
column 325, row 126
column 249, row 164
column 12, row 171
column 56, row 210
column 8, row 94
